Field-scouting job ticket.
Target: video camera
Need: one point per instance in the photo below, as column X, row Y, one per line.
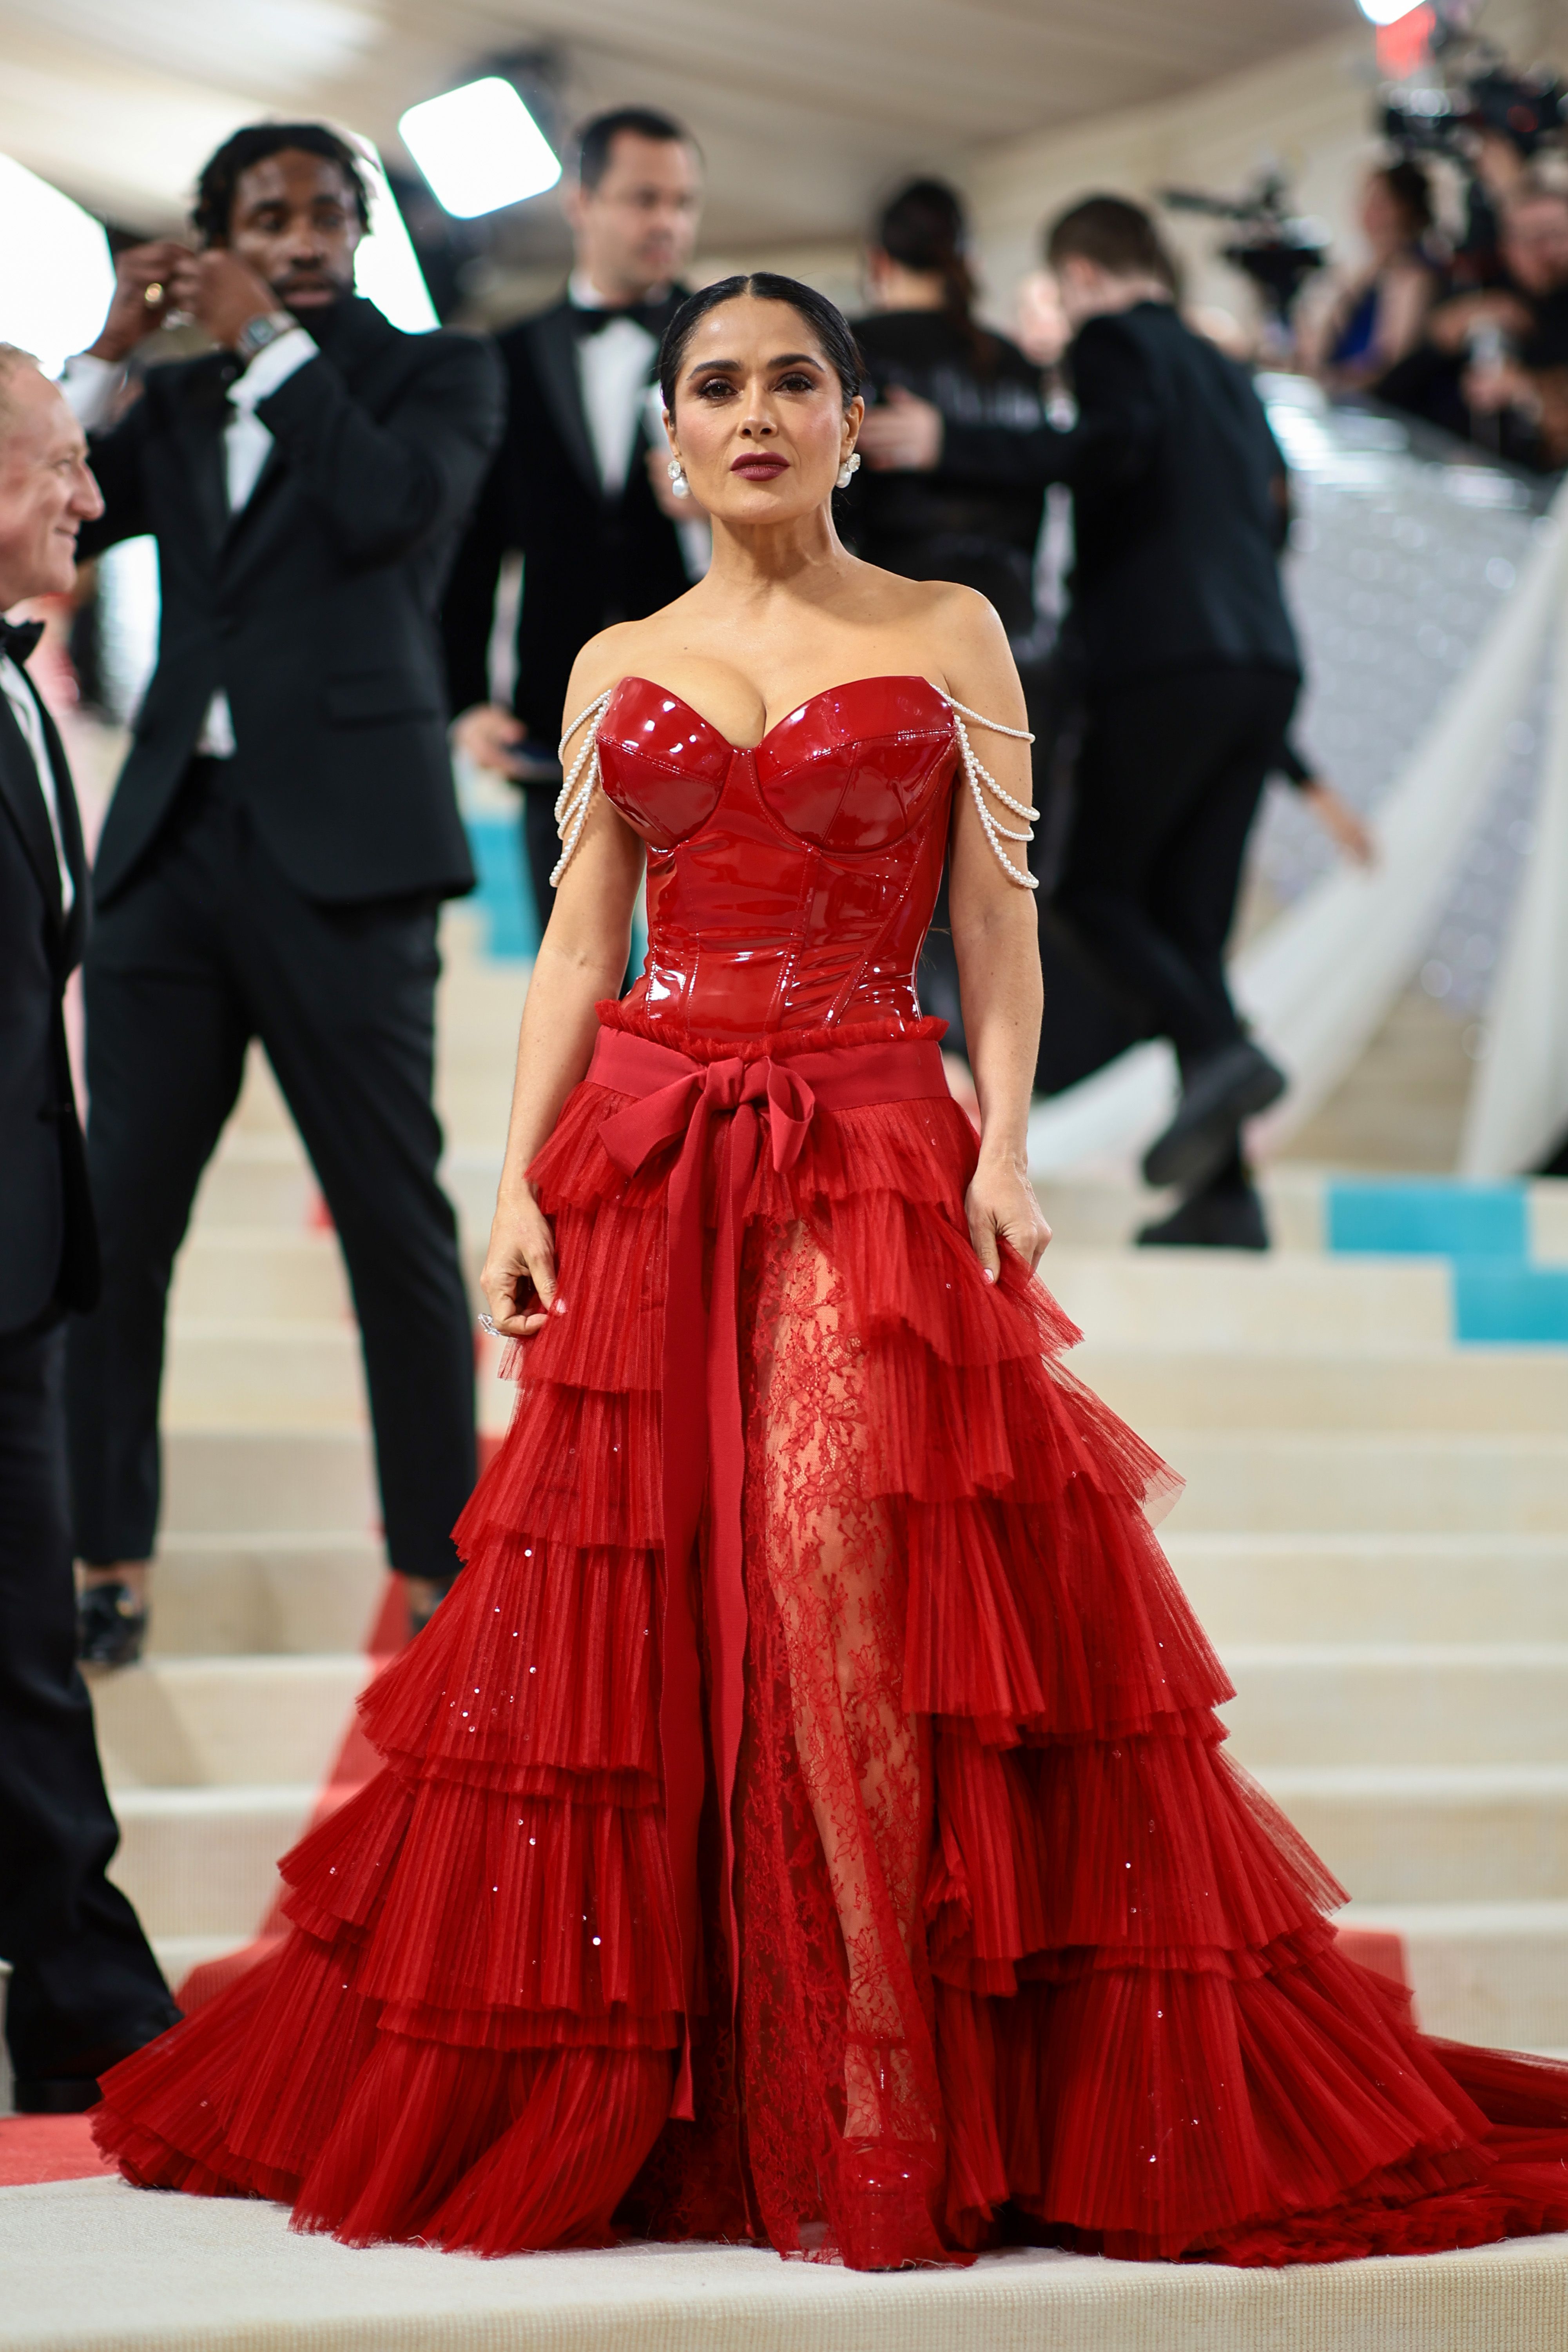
column 1276, row 249
column 1473, row 94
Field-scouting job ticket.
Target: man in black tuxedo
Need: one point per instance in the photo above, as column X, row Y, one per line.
column 285, row 827
column 85, row 1990
column 580, row 486
column 1190, row 670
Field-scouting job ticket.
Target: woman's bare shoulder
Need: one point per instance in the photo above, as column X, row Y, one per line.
column 624, row 650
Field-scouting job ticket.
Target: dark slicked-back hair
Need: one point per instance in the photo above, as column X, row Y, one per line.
column 1118, row 235
column 923, row 228
column 214, row 209
column 596, row 138
column 825, row 319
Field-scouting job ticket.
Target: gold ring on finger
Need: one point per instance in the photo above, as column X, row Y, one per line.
column 153, row 293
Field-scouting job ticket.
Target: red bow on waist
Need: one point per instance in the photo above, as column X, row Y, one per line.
column 703, row 1438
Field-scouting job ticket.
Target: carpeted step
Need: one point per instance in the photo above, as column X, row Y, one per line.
column 272, row 1592
column 1398, row 1703
column 202, row 1862
column 289, row 1480
column 223, row 1722
column 1207, row 1298
column 1397, row 1833
column 1252, row 1586
column 1262, row 1386
column 1495, row 1973
column 95, row 2265
column 1343, row 1482
column 254, row 1273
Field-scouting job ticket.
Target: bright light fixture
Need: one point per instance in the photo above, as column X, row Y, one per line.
column 1386, row 12
column 55, row 273
column 479, row 148
column 386, row 268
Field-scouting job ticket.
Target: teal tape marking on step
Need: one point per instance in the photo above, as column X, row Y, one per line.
column 1510, row 1305
column 503, row 897
column 1413, row 1218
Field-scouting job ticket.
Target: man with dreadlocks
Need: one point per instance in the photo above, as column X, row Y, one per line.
column 285, row 827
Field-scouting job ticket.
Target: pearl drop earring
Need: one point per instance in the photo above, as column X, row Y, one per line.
column 678, row 482
column 850, row 467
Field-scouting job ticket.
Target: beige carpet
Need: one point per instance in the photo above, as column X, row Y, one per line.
column 94, row 2266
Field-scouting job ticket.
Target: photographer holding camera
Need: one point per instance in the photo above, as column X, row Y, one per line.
column 1494, row 368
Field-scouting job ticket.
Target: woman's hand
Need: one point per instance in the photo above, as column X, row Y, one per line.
column 1000, row 1206
column 521, row 1256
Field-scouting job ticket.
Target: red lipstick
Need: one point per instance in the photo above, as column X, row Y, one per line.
column 758, row 466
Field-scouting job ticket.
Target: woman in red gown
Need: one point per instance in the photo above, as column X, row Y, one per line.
column 807, row 1819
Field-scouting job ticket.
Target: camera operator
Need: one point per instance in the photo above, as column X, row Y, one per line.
column 1494, row 365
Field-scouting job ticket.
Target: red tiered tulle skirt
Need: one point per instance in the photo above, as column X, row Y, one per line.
column 1021, row 1953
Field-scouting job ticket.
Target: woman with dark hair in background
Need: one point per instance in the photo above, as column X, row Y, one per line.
column 922, row 344
column 1377, row 318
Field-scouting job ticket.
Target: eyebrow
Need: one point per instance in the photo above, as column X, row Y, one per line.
column 788, row 359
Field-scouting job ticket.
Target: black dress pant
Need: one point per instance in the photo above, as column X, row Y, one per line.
column 84, row 1984
column 1169, row 775
column 209, row 946
column 541, row 847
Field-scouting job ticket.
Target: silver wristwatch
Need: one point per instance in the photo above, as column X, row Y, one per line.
column 257, row 333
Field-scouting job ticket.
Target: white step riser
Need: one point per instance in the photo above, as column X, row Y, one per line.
column 278, row 1376
column 1495, row 1975
column 299, row 1596
column 1397, row 1484
column 201, row 1864
column 1195, row 1299
column 1465, row 1708
column 1514, row 1391
column 292, row 1480
column 252, row 1274
column 223, row 1722
column 1471, row 1844
column 1251, row 1588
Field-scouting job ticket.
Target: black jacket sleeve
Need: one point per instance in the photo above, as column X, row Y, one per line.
column 383, row 486
column 1110, row 446
column 468, row 608
column 116, row 458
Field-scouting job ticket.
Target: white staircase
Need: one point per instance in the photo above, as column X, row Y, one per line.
column 1374, row 1531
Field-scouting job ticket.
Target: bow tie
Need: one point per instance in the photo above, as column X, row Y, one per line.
column 651, row 317
column 18, row 638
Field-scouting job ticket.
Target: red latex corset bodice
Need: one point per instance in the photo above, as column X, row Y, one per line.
column 791, row 885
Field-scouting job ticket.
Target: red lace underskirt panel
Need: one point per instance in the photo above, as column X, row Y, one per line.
column 1014, row 1932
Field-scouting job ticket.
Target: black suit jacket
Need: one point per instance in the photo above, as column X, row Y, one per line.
column 48, row 1244
column 314, row 608
column 1177, row 495
column 588, row 560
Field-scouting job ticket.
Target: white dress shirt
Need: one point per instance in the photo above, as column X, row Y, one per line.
column 90, row 386
column 16, row 692
column 614, row 368
column 615, row 374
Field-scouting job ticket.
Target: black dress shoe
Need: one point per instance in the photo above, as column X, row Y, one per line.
column 1228, row 1219
column 1222, row 1088
column 111, row 1625
column 55, row 2095
column 74, row 2088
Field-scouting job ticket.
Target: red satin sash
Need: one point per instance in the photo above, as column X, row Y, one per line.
column 704, row 1443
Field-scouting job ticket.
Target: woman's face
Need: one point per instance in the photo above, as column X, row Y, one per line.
column 1383, row 219
column 759, row 421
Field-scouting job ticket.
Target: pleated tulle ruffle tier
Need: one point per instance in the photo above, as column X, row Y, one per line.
column 1021, row 1953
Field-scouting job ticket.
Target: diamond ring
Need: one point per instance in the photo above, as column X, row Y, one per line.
column 487, row 1323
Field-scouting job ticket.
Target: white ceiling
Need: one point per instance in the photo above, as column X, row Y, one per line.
column 804, row 112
